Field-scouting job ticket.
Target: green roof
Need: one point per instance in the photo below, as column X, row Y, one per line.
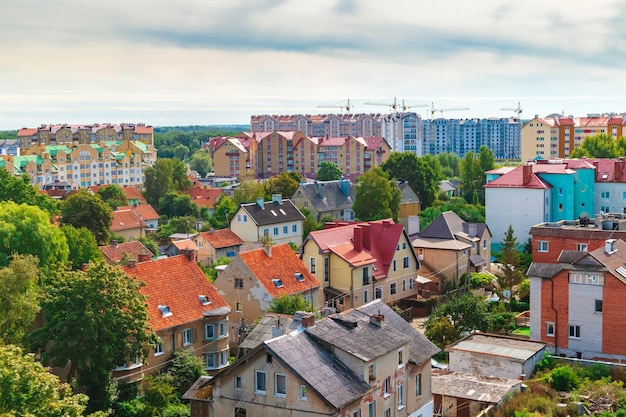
column 141, row 145
column 54, row 149
column 23, row 160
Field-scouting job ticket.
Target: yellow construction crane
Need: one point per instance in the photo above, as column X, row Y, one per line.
column 347, row 107
column 433, row 109
column 517, row 109
column 395, row 106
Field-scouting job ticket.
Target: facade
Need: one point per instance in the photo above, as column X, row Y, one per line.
column 214, row 244
column 453, row 247
column 254, row 278
column 234, row 157
column 278, row 221
column 359, row 262
column 331, row 198
column 127, row 224
column 556, row 136
column 577, row 304
column 365, row 361
column 185, row 311
column 409, row 202
column 9, row 147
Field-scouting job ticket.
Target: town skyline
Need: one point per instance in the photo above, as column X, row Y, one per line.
column 208, row 63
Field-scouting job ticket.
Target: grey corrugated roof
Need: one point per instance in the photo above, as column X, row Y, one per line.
column 273, row 212
column 571, row 256
column 504, row 346
column 330, row 379
column 544, row 270
column 449, row 225
column 334, row 197
column 473, row 387
column 264, row 329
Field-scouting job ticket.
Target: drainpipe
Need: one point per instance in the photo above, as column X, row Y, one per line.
column 556, row 319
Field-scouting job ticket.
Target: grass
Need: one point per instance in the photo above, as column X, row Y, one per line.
column 522, row 331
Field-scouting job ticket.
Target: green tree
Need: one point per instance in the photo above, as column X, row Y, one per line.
column 174, row 204
column 441, row 331
column 151, row 244
column 423, row 173
column 94, row 321
column 466, row 312
column 201, row 162
column 224, row 211
column 185, row 368
column 449, row 162
column 113, row 195
column 26, row 230
column 248, row 191
column 328, row 171
column 20, row 190
column 509, row 257
column 82, row 245
column 597, row 146
column 289, row 304
column 486, row 159
column 88, row 210
column 376, row 196
column 181, row 152
column 166, row 175
column 19, row 298
column 471, row 176
column 309, row 224
column 468, row 212
column 28, row 389
column 284, row 184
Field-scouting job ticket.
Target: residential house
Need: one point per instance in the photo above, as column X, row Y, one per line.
column 185, row 247
column 186, row 312
column 362, row 362
column 127, row 224
column 215, row 244
column 577, row 306
column 133, row 250
column 359, row 262
column 452, row 247
column 132, row 194
column 206, row 198
column 278, row 221
column 270, row 326
column 409, row 202
column 495, row 355
column 451, row 188
column 326, row 198
column 146, row 213
column 254, row 278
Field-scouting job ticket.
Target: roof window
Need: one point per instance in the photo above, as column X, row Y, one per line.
column 204, row 299
column 277, row 282
column 165, row 310
column 299, row 276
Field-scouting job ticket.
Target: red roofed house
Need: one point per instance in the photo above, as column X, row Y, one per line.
column 255, row 278
column 185, row 311
column 115, row 252
column 127, row 224
column 359, row 262
column 147, row 213
column 216, row 243
column 205, row 198
column 185, row 247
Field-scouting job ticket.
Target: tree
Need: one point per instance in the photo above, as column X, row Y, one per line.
column 94, row 321
column 88, row 210
column 164, row 176
column 151, row 244
column 248, row 191
column 224, row 211
column 19, row 298
column 449, row 162
column 441, row 332
column 468, row 212
column 28, row 389
column 423, row 174
column 466, row 312
column 471, row 176
column 82, row 245
column 328, row 171
column 201, row 162
column 178, row 205
column 20, row 190
column 113, row 195
column 509, row 257
column 284, row 184
column 376, row 196
column 26, row 230
column 289, row 304
column 597, row 146
column 185, row 368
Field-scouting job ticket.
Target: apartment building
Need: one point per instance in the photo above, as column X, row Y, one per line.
column 556, row 136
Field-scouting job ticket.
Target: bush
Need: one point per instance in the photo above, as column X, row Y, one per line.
column 480, row 279
column 564, row 378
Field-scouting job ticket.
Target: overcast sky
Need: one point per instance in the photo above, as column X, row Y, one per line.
column 167, row 62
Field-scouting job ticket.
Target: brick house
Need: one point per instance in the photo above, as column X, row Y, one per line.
column 214, row 244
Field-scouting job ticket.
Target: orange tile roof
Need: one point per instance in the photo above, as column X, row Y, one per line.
column 185, row 244
column 134, row 248
column 26, row 132
column 222, row 238
column 132, row 193
column 205, row 197
column 146, row 211
column 124, row 220
column 143, row 130
column 282, row 265
column 177, row 283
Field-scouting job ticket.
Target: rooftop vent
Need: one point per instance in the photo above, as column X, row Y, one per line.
column 165, row 310
column 299, row 276
column 204, row 299
column 277, row 282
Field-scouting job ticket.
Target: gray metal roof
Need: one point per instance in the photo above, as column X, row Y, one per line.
column 488, row 389
column 544, row 270
column 267, row 328
column 509, row 347
column 332, row 197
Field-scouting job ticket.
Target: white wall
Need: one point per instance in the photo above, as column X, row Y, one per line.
column 481, row 364
column 581, row 312
column 521, row 208
column 536, row 329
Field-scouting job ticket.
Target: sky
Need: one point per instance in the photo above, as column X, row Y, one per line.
column 164, row 62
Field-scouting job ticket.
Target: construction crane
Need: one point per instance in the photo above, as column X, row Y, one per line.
column 517, row 110
column 347, row 107
column 395, row 105
column 433, row 109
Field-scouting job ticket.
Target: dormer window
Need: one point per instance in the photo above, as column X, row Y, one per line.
column 165, row 310
column 277, row 282
column 204, row 299
column 299, row 276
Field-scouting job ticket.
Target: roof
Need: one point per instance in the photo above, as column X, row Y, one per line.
column 126, row 220
column 614, row 262
column 205, row 197
column 544, row 270
column 488, row 389
column 267, row 328
column 496, row 345
column 281, row 265
column 446, row 230
column 222, row 238
column 133, row 249
column 176, row 282
column 185, row 244
column 515, row 179
column 327, row 196
column 146, row 211
column 273, row 212
column 132, row 193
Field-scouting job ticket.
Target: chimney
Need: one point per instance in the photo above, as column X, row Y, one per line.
column 527, row 172
column 308, row 320
column 277, row 198
column 268, row 250
column 260, row 202
column 609, row 246
column 619, row 168
column 114, row 243
column 277, row 330
column 471, row 229
column 131, row 263
column 377, row 319
column 320, row 190
column 144, row 257
column 211, row 230
column 344, row 184
column 358, row 239
column 367, row 237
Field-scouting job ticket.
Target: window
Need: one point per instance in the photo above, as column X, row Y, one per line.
column 624, row 195
column 401, row 357
column 366, row 296
column 550, row 329
column 542, row 246
column 378, row 292
column 266, row 232
column 239, row 283
column 285, row 230
column 405, row 262
column 485, row 244
column 598, row 306
column 259, row 382
column 410, row 283
column 276, row 231
column 223, row 358
column 371, row 409
column 588, row 278
column 245, row 218
column 238, row 383
column 210, row 360
column 574, row 332
column 238, row 306
column 582, row 247
column 403, row 285
column 223, row 329
column 604, row 209
column 604, row 194
column 326, row 269
column 400, row 396
column 418, row 385
column 387, row 412
column 403, row 245
column 371, row 372
column 280, row 385
column 312, row 265
column 387, row 387
column 159, row 348
column 394, row 265
column 187, row 337
column 366, row 275
column 294, row 228
column 356, row 413
column 303, row 390
column 209, row 331
column 393, row 288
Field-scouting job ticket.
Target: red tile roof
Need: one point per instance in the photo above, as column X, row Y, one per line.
column 132, row 193
column 177, row 283
column 222, row 238
column 143, row 130
column 205, row 197
column 146, row 211
column 114, row 253
column 125, row 220
column 185, row 244
column 27, row 132
column 515, row 179
column 282, row 265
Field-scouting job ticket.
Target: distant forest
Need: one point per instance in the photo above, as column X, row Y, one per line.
column 8, row 134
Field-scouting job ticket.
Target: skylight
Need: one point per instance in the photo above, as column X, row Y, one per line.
column 299, row 276
column 273, row 212
column 165, row 310
column 622, row 271
column 204, row 299
column 282, row 211
column 277, row 282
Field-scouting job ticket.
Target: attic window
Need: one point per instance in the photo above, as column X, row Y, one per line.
column 605, row 176
column 277, row 282
column 165, row 310
column 282, row 211
column 273, row 212
column 204, row 299
column 299, row 276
